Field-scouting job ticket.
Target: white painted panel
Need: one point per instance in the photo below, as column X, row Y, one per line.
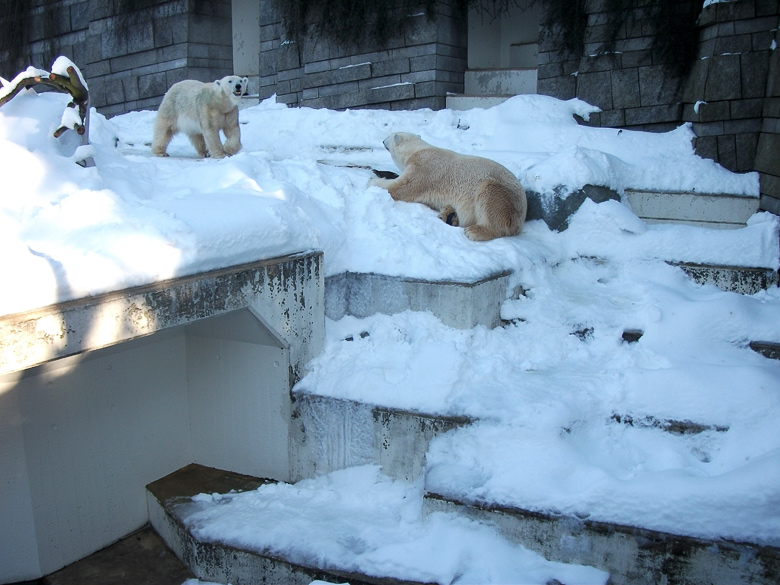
column 239, row 405
column 692, row 206
column 18, row 548
column 97, row 428
column 246, row 37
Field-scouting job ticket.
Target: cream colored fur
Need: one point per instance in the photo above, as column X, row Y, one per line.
column 200, row 110
column 488, row 200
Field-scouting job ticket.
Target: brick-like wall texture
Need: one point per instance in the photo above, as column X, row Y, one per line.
column 730, row 92
column 416, row 70
column 131, row 60
column 731, row 95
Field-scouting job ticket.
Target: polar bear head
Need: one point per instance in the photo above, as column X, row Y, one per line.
column 234, row 86
column 403, row 145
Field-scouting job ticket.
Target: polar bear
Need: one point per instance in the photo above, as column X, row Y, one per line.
column 486, row 198
column 201, row 110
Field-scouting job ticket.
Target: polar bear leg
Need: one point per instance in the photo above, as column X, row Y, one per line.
column 496, row 213
column 232, row 133
column 163, row 134
column 211, row 135
column 199, row 143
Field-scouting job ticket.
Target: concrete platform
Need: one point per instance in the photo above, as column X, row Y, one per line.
column 218, row 562
column 140, row 558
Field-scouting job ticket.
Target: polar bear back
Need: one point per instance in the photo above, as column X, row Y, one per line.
column 187, row 98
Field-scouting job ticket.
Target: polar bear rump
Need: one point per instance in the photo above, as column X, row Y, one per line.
column 485, row 197
column 200, row 110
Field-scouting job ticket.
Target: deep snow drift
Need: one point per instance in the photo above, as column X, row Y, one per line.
column 570, row 418
column 134, row 219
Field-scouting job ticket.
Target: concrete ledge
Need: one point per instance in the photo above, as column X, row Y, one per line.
column 632, row 556
column 285, row 292
column 167, row 498
column 743, row 280
column 462, row 305
column 719, row 211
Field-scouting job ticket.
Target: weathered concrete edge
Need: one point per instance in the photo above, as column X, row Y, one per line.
column 215, row 561
column 693, row 193
column 460, row 304
column 740, row 279
column 632, row 555
column 286, row 292
column 365, row 434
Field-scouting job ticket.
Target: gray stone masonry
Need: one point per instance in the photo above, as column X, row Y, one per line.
column 731, row 95
column 416, row 70
column 130, row 60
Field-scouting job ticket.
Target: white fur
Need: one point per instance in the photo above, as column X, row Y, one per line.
column 201, row 110
column 486, row 197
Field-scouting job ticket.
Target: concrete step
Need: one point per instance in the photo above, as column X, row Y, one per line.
column 331, row 434
column 223, row 563
column 738, row 279
column 717, row 211
column 462, row 305
column 631, row 555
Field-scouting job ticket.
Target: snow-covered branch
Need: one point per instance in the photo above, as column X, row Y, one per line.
column 64, row 77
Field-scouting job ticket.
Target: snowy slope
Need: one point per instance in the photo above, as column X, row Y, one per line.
column 553, row 390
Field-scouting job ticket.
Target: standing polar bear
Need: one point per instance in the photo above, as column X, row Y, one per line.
column 487, row 199
column 201, row 110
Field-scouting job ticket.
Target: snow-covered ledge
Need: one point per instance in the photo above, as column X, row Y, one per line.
column 102, row 395
column 286, row 292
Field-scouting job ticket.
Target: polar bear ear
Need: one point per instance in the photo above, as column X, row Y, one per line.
column 217, row 82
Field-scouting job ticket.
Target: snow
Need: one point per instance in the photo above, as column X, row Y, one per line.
column 556, row 394
column 135, row 219
column 360, row 521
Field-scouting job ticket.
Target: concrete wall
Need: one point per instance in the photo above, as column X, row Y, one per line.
column 101, row 396
column 735, row 72
column 416, row 70
column 130, row 60
column 736, row 83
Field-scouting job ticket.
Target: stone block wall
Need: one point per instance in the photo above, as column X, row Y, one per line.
column 731, row 95
column 416, row 70
column 632, row 84
column 130, row 60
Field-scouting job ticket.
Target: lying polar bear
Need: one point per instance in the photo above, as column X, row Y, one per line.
column 201, row 110
column 487, row 199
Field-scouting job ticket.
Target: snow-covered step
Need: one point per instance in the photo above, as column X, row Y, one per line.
column 631, row 555
column 719, row 211
column 458, row 304
column 355, row 525
column 331, row 434
column 739, row 279
column 167, row 500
